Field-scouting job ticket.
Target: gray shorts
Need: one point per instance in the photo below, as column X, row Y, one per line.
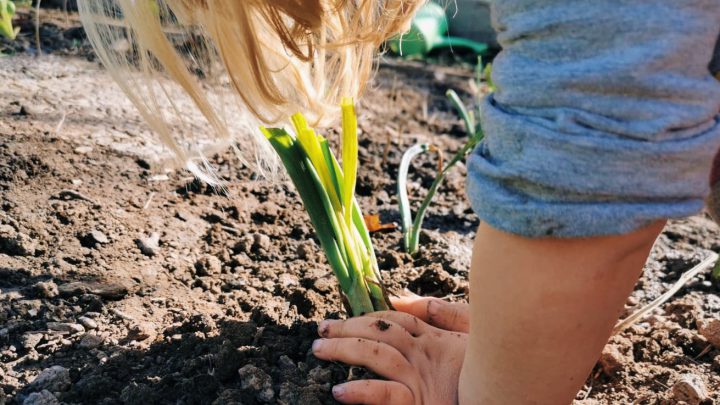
column 606, row 116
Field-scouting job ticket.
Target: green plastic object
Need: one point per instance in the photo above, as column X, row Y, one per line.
column 428, row 32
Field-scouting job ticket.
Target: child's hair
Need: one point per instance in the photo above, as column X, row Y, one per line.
column 269, row 57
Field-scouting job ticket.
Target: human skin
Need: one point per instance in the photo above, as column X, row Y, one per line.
column 540, row 312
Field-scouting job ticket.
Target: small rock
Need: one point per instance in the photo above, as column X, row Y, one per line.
column 66, row 327
column 46, row 289
column 142, row 331
column 149, row 246
column 107, row 291
column 710, row 330
column 262, row 241
column 43, row 397
column 88, row 323
column 689, row 389
column 208, row 265
column 256, row 379
column 90, row 341
column 83, row 150
column 29, row 340
column 15, row 243
column 53, row 379
column 93, row 238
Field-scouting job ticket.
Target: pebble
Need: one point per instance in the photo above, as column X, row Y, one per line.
column 43, row 397
column 710, row 330
column 83, row 150
column 46, row 289
column 107, row 291
column 88, row 323
column 256, row 379
column 66, row 327
column 90, row 341
column 53, row 379
column 689, row 389
column 149, row 246
column 99, row 237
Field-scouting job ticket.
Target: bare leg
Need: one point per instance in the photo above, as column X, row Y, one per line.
column 541, row 311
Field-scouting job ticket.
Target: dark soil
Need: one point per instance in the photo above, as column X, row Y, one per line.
column 122, row 282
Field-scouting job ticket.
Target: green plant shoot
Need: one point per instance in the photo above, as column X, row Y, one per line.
column 411, row 228
column 328, row 194
column 7, row 12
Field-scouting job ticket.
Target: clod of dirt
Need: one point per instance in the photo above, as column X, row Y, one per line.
column 434, row 281
column 15, row 243
column 616, row 355
column 255, row 379
column 690, row 389
column 142, row 331
column 320, row 375
column 66, row 327
column 262, row 241
column 149, row 246
column 710, row 330
column 208, row 265
column 29, row 340
column 43, row 397
column 53, row 379
column 382, row 325
column 46, row 289
column 107, row 291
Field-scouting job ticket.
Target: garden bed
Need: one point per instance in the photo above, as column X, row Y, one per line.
column 122, row 282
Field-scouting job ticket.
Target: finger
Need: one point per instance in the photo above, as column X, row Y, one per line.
column 411, row 323
column 373, row 392
column 379, row 357
column 453, row 316
column 369, row 328
column 412, row 304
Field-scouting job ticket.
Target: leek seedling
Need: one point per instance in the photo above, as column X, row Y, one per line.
column 411, row 228
column 7, row 12
column 328, row 193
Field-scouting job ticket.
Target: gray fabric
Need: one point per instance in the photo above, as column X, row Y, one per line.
column 605, row 116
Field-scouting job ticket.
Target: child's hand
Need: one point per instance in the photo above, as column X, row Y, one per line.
column 422, row 363
column 453, row 316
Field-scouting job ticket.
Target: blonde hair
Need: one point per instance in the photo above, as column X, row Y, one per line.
column 272, row 58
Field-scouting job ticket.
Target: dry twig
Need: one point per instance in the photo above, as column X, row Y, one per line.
column 684, row 279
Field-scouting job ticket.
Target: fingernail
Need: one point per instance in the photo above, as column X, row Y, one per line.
column 338, row 391
column 317, row 345
column 323, row 328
